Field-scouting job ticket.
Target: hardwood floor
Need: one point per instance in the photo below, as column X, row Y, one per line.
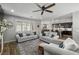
column 10, row 48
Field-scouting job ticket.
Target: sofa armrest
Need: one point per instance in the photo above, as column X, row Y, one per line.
column 17, row 36
column 56, row 41
column 52, row 49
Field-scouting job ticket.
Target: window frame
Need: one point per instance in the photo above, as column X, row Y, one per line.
column 22, row 28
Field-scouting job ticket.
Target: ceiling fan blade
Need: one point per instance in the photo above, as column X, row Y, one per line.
column 42, row 12
column 50, row 6
column 36, row 10
column 49, row 11
column 38, row 5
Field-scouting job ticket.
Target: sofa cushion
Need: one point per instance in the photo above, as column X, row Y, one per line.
column 24, row 34
column 52, row 34
column 46, row 33
column 52, row 44
column 70, row 44
column 56, row 37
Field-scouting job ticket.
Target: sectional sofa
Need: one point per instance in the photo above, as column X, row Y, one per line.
column 70, row 48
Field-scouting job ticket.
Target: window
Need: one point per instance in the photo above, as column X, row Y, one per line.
column 18, row 27
column 23, row 26
column 28, row 27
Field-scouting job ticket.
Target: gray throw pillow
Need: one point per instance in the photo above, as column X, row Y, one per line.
column 20, row 34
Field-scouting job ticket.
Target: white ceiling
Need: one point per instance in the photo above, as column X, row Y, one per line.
column 25, row 9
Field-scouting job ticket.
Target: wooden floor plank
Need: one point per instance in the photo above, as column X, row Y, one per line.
column 10, row 48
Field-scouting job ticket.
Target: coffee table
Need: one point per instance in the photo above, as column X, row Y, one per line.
column 40, row 50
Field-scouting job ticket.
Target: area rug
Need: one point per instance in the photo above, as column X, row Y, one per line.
column 29, row 47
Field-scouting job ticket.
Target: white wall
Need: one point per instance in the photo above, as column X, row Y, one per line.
column 9, row 35
column 76, row 26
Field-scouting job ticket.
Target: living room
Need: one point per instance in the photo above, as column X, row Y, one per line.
column 28, row 30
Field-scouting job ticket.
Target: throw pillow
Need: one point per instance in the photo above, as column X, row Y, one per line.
column 20, row 34
column 43, row 34
column 52, row 35
column 70, row 44
column 34, row 33
column 61, row 45
column 27, row 34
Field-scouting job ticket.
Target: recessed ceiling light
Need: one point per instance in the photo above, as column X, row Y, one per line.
column 12, row 10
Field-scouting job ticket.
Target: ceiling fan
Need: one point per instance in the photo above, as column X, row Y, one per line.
column 44, row 8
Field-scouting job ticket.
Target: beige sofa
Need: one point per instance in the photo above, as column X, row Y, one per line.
column 25, row 36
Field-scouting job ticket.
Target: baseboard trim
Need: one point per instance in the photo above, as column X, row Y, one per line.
column 9, row 41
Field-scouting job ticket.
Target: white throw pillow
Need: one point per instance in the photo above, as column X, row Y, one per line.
column 24, row 34
column 46, row 33
column 56, row 37
column 70, row 44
